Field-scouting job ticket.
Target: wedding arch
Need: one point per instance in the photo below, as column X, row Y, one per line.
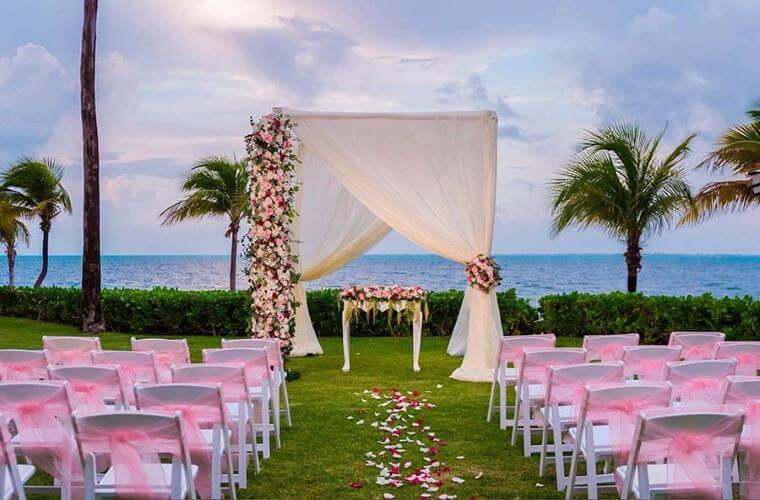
column 327, row 186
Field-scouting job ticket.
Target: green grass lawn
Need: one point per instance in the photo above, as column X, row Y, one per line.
column 324, row 451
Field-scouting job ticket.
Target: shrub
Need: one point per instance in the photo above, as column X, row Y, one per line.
column 167, row 311
column 654, row 317
column 164, row 311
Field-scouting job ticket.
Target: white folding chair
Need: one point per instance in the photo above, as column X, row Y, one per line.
column 604, row 429
column 260, row 385
column 696, row 345
column 746, row 354
column 531, row 375
column 699, row 382
column 647, row 362
column 505, row 376
column 700, row 437
column 93, row 387
column 135, row 367
column 12, row 474
column 207, row 426
column 238, row 402
column 69, row 350
column 608, row 348
column 168, row 352
column 274, row 352
column 23, row 364
column 143, row 438
column 561, row 405
column 41, row 415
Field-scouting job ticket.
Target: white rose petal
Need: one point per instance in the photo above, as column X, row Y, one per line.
column 480, row 474
column 457, row 480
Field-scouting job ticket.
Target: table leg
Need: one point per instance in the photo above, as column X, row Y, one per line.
column 346, row 340
column 416, row 339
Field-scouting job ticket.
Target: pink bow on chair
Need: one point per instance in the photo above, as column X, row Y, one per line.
column 611, row 352
column 699, row 351
column 700, row 390
column 747, row 364
column 89, row 393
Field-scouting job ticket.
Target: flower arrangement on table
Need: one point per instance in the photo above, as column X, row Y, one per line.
column 404, row 300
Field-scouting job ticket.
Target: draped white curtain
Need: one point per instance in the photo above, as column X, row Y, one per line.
column 333, row 228
column 431, row 177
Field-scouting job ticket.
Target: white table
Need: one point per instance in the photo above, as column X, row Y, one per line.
column 382, row 306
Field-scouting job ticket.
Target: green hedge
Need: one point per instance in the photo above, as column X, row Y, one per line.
column 175, row 312
column 654, row 317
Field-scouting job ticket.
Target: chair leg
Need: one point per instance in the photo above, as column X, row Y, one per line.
column 490, row 397
column 516, row 418
column 264, row 415
column 503, row 404
column 284, row 376
column 230, row 467
column 574, row 463
column 276, row 417
column 544, row 443
column 527, row 424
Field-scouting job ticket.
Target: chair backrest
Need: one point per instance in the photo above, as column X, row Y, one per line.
column 134, row 443
column 69, row 350
column 534, row 366
column 92, row 386
column 697, row 345
column 647, row 362
column 168, row 352
column 608, row 348
column 10, row 480
column 740, row 389
column 136, row 367
column 691, row 441
column 231, row 376
column 22, row 364
column 699, row 381
column 41, row 412
column 255, row 361
column 746, row 354
column 566, row 385
column 513, row 346
column 273, row 347
column 618, row 407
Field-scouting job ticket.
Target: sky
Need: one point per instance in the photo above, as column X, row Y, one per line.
column 180, row 79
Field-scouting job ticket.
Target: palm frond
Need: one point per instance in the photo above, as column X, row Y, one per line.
column 720, row 197
column 36, row 185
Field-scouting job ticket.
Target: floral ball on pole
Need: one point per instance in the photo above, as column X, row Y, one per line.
column 272, row 161
column 483, row 273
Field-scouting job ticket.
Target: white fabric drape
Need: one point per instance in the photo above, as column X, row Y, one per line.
column 431, row 177
column 333, row 228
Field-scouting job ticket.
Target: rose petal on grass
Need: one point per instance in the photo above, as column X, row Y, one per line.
column 356, row 484
column 480, row 474
column 460, row 457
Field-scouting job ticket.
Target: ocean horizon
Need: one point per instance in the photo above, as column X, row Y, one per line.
column 532, row 275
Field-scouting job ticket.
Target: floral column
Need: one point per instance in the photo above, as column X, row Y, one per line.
column 272, row 188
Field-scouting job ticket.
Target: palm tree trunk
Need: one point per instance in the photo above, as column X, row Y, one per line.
column 233, row 258
column 45, row 226
column 633, row 262
column 10, row 252
column 92, row 316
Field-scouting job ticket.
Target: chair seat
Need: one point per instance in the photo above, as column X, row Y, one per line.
column 25, row 472
column 658, row 479
column 567, row 415
column 107, row 484
column 602, row 441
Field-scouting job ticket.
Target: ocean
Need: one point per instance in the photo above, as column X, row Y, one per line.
column 532, row 275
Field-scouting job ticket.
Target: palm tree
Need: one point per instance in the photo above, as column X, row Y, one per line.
column 92, row 314
column 618, row 181
column 35, row 184
column 217, row 188
column 12, row 231
column 739, row 153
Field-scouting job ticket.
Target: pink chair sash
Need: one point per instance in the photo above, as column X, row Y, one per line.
column 699, row 390
column 609, row 349
column 233, row 385
column 620, row 415
column 23, row 371
column 645, row 367
column 43, row 437
column 750, row 441
column 692, row 456
column 536, row 369
column 166, row 359
column 747, row 364
column 131, row 451
column 570, row 390
column 203, row 412
column 699, row 351
column 70, row 355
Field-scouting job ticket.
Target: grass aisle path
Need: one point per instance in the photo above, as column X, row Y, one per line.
column 324, row 451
